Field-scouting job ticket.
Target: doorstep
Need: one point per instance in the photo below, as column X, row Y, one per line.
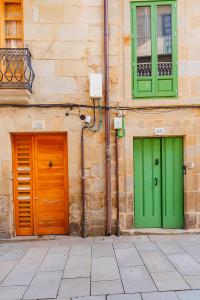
column 158, row 231
column 32, row 238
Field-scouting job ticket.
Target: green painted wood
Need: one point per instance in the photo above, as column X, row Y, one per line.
column 155, row 85
column 172, row 183
column 147, row 183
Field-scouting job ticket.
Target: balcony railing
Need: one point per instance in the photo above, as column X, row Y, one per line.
column 15, row 69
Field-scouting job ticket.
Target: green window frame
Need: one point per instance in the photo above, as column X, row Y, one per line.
column 154, row 72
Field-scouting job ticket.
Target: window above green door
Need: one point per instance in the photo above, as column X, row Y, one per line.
column 154, row 49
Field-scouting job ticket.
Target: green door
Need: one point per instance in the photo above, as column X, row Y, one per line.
column 172, row 182
column 147, row 160
column 158, row 182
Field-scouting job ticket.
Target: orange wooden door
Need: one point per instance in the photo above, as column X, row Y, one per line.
column 48, row 187
column 23, row 184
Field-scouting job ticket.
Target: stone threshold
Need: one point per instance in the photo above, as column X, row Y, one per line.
column 159, row 231
column 32, row 238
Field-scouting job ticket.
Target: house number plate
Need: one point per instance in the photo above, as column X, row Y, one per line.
column 159, row 131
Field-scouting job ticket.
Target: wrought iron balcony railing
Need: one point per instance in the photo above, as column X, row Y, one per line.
column 15, row 69
column 164, row 69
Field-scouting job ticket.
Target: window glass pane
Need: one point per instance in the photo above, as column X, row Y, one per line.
column 144, row 66
column 164, row 40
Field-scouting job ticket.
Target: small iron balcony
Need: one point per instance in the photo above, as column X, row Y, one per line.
column 15, row 69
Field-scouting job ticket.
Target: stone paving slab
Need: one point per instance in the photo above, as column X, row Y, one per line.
column 106, row 287
column 189, row 295
column 5, row 267
column 69, row 268
column 136, row 280
column 185, row 264
column 128, row 257
column 125, row 297
column 34, row 255
column 169, row 247
column 169, row 281
column 193, row 281
column 78, row 266
column 104, row 268
column 160, row 296
column 156, row 262
column 194, row 251
column 54, row 262
column 145, row 245
column 102, row 250
column 12, row 292
column 90, row 298
column 22, row 274
column 44, row 285
column 76, row 287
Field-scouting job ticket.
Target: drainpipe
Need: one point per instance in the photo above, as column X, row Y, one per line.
column 107, row 123
column 117, row 182
column 83, row 183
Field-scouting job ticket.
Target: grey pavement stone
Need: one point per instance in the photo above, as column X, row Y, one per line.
column 44, row 285
column 106, row 287
column 78, row 266
column 14, row 253
column 169, row 247
column 103, row 239
column 123, row 245
column 54, row 262
column 189, row 295
column 59, row 249
column 104, row 268
column 80, row 249
column 5, row 267
column 193, row 281
column 137, row 279
column 170, row 281
column 102, row 250
column 12, row 292
column 76, row 287
column 160, row 296
column 194, row 251
column 22, row 274
column 90, row 298
column 186, row 240
column 143, row 245
column 128, row 257
column 125, row 297
column 34, row 255
column 156, row 262
column 185, row 264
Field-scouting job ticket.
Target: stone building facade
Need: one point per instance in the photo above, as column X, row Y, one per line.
column 65, row 38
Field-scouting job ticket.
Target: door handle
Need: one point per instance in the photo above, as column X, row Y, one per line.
column 36, row 198
column 156, row 181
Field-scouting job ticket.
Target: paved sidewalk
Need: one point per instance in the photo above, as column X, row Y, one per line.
column 110, row 268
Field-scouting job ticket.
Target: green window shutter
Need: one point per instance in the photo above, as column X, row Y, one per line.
column 154, row 49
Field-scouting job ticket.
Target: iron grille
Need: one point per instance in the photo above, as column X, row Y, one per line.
column 16, row 71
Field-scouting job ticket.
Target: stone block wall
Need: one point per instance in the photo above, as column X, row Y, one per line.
column 65, row 38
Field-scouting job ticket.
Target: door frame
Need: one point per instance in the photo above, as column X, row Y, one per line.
column 66, row 177
column 184, row 176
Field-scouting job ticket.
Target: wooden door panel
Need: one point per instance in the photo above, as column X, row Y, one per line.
column 40, row 189
column 50, row 184
column 23, row 184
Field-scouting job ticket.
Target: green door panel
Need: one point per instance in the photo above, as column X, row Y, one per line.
column 172, row 182
column 147, row 185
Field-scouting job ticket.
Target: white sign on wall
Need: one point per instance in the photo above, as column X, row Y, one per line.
column 159, row 131
column 38, row 124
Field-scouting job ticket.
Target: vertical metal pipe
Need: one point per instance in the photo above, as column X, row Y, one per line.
column 83, row 183
column 117, row 182
column 107, row 123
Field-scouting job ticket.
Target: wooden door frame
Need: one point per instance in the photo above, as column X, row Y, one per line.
column 184, row 157
column 66, row 176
